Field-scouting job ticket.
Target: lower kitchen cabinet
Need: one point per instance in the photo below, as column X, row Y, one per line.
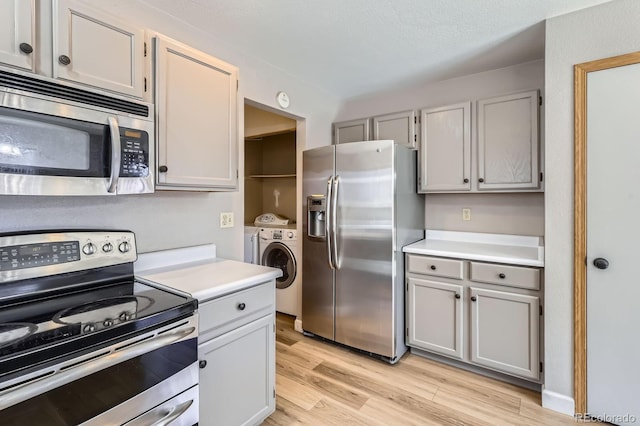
column 435, row 316
column 237, row 381
column 461, row 313
column 236, row 349
column 504, row 331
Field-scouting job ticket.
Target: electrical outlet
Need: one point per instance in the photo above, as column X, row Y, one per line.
column 226, row 220
column 466, row 214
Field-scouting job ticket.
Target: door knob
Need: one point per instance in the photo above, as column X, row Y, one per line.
column 601, row 263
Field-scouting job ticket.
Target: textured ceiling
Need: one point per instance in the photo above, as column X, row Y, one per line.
column 356, row 47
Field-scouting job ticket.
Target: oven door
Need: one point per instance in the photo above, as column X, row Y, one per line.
column 153, row 375
column 53, row 148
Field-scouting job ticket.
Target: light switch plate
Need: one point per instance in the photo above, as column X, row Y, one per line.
column 226, row 220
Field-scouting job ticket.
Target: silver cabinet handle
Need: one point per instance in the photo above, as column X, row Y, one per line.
column 329, row 225
column 115, row 155
column 62, row 375
column 334, row 221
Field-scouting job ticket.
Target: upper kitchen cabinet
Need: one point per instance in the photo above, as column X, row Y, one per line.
column 400, row 127
column 17, row 33
column 501, row 153
column 83, row 45
column 196, row 106
column 445, row 150
column 351, row 131
column 96, row 49
column 508, row 142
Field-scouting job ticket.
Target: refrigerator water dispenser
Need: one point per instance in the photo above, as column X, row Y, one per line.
column 316, row 214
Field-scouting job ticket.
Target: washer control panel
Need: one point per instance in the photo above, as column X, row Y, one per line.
column 278, row 234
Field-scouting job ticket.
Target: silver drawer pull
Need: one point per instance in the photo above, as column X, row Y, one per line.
column 162, row 416
column 173, row 413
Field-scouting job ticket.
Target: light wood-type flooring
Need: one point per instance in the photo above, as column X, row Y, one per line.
column 319, row 383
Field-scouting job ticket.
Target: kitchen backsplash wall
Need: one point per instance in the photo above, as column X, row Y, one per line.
column 520, row 214
column 162, row 220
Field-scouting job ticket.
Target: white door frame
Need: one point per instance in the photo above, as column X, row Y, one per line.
column 580, row 219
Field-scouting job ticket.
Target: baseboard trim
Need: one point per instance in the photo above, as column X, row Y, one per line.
column 523, row 383
column 297, row 325
column 558, row 402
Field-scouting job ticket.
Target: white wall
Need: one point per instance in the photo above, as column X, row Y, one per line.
column 495, row 213
column 170, row 219
column 602, row 31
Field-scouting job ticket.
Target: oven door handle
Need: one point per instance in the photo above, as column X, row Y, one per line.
column 90, row 364
column 116, row 155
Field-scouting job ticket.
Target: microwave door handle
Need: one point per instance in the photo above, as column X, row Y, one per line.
column 115, row 155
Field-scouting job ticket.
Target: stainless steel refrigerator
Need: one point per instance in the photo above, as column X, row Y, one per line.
column 361, row 207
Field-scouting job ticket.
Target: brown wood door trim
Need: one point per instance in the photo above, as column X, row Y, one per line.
column 580, row 220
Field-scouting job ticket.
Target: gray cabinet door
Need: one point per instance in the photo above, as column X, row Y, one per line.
column 445, row 148
column 351, row 131
column 505, row 331
column 508, row 146
column 435, row 317
column 237, row 385
column 399, row 127
column 103, row 51
column 196, row 98
column 17, row 26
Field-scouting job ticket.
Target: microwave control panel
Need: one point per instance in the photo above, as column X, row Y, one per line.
column 134, row 150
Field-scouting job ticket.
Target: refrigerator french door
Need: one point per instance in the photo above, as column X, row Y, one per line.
column 361, row 207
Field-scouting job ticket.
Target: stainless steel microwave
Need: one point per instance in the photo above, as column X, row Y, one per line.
column 61, row 140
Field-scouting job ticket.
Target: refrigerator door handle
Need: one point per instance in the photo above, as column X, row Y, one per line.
column 334, row 222
column 329, row 219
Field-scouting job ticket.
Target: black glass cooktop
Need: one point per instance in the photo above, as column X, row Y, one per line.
column 57, row 325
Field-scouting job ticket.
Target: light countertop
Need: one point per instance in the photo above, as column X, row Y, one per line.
column 204, row 278
column 498, row 248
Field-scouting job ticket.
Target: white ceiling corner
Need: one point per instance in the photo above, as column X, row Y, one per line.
column 357, row 47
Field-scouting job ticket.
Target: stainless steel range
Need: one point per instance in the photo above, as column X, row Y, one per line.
column 83, row 342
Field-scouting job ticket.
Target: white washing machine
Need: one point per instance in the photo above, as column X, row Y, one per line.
column 279, row 249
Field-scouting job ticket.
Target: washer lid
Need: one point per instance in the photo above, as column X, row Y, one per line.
column 278, row 255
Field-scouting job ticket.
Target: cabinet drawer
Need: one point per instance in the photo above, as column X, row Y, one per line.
column 229, row 312
column 512, row 276
column 448, row 268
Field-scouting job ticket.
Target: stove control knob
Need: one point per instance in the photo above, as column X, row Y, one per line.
column 108, row 322
column 107, row 247
column 124, row 316
column 89, row 328
column 124, row 247
column 89, row 249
